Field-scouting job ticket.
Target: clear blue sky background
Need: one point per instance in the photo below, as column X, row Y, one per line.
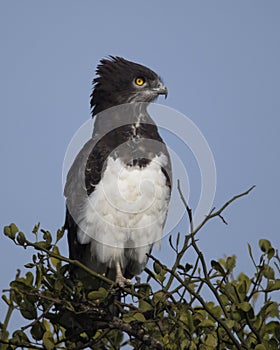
column 221, row 63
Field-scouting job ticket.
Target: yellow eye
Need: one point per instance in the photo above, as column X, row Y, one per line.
column 139, row 81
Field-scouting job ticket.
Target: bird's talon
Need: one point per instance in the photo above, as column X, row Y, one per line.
column 122, row 281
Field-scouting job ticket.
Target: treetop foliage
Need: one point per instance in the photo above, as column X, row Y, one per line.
column 183, row 306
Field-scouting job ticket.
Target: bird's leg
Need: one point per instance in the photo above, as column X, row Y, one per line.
column 120, row 279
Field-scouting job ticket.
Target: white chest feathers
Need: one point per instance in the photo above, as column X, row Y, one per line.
column 127, row 209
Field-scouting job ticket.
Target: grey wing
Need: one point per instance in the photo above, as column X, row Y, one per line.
column 84, row 173
column 75, row 192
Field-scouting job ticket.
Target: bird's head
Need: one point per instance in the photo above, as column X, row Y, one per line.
column 120, row 81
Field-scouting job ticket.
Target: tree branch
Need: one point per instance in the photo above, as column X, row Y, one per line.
column 138, row 334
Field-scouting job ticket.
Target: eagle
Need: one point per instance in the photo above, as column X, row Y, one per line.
column 119, row 185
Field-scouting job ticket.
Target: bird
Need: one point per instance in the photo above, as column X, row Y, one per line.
column 119, row 186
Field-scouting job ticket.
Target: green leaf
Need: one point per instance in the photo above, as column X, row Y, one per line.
column 268, row 272
column 270, row 253
column 10, row 231
column 260, row 347
column 271, row 309
column 21, row 238
column 29, row 278
column 56, row 262
column 215, row 309
column 188, row 267
column 48, row 340
column 161, row 276
column 245, row 282
column 28, row 310
column 29, row 265
column 181, row 267
column 217, row 266
column 170, row 242
column 184, row 344
column 7, row 231
column 37, row 331
column 186, row 318
column 159, row 297
column 236, row 315
column 244, row 306
column 273, row 285
column 127, row 318
column 207, row 323
column 59, row 235
column 157, row 267
column 271, row 327
column 39, row 277
column 230, row 263
column 193, row 346
column 229, row 323
column 251, row 254
column 36, row 228
column 47, row 237
column 99, row 294
column 265, row 245
column 144, row 305
column 133, row 316
column 139, row 317
column 14, row 229
column 211, row 341
column 19, row 284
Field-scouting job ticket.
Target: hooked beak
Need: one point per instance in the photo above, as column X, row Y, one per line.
column 161, row 89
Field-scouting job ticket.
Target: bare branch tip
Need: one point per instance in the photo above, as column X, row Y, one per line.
column 223, row 219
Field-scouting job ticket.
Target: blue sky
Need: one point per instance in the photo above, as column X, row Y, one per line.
column 220, row 62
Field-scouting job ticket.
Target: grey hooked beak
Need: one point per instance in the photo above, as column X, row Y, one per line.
column 161, row 89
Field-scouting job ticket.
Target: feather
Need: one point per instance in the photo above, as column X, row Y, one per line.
column 118, row 188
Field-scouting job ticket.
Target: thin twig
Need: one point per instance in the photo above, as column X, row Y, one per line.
column 204, row 305
column 80, row 265
column 223, row 219
column 4, row 332
column 213, row 214
column 189, row 210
